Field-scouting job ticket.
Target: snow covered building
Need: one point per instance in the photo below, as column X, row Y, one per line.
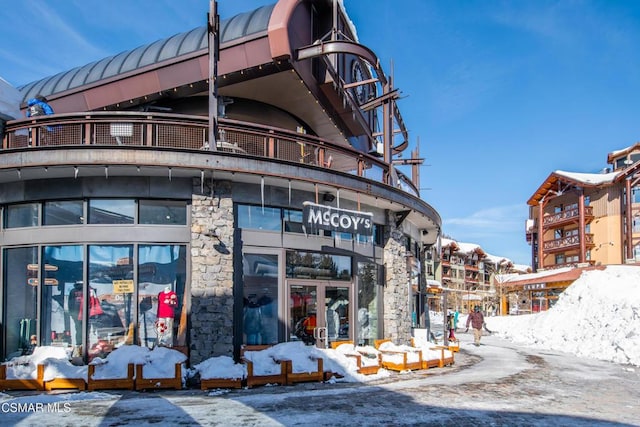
column 584, row 219
column 206, row 204
column 467, row 273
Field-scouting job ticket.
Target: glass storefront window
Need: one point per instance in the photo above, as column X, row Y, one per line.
column 62, row 297
column 161, row 295
column 259, row 218
column 21, row 299
column 293, row 221
column 22, row 215
column 109, row 310
column 62, row 212
column 260, row 296
column 162, row 212
column 367, row 316
column 312, row 265
column 112, row 211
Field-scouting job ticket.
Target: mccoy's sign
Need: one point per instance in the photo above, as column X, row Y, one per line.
column 319, row 217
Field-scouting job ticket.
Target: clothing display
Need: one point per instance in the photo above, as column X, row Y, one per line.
column 167, row 304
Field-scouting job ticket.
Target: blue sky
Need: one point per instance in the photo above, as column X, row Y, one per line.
column 499, row 93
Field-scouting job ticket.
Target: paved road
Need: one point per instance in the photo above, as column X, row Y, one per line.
column 496, row 384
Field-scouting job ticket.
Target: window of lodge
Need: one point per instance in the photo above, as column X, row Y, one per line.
column 314, row 265
column 22, row 215
column 110, row 309
column 101, row 211
column 62, row 212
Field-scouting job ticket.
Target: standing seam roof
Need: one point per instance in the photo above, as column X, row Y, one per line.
column 175, row 46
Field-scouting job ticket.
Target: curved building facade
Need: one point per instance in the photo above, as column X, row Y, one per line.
column 134, row 216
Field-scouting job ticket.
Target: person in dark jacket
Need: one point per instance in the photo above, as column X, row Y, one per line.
column 476, row 318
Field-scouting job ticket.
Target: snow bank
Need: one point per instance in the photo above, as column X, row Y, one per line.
column 598, row 317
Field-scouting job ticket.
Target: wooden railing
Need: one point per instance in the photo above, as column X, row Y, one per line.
column 567, row 242
column 187, row 132
column 567, row 216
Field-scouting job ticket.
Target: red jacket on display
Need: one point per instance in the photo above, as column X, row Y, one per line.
column 167, row 302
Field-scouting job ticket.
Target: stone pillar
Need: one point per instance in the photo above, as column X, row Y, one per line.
column 397, row 310
column 211, row 271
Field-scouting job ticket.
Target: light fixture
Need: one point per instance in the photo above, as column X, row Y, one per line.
column 213, row 233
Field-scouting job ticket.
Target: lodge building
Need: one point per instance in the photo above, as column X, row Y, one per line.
column 583, row 219
column 214, row 189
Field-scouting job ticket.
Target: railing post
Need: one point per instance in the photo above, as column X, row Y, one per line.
column 33, row 136
column 88, row 134
column 148, row 138
column 271, row 146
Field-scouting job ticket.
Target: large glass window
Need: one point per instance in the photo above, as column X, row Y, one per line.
column 109, row 298
column 259, row 218
column 21, row 299
column 22, row 215
column 112, row 211
column 367, row 316
column 293, row 221
column 260, row 295
column 63, row 297
column 161, row 295
column 312, row 265
column 162, row 212
column 62, row 212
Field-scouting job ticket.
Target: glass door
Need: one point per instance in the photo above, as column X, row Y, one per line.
column 319, row 312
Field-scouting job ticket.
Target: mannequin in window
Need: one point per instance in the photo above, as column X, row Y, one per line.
column 252, row 321
column 167, row 304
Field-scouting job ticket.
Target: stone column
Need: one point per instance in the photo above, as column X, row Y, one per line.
column 397, row 310
column 211, row 271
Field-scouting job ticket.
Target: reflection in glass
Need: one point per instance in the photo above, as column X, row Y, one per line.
column 161, row 295
column 313, row 265
column 111, row 211
column 260, row 292
column 62, row 212
column 62, row 297
column 162, row 212
column 303, row 306
column 110, row 312
column 21, row 288
column 22, row 215
column 337, row 313
column 367, row 303
column 259, row 218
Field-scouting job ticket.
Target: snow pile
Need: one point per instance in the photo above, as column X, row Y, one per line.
column 55, row 359
column 598, row 317
column 157, row 363
column 221, row 367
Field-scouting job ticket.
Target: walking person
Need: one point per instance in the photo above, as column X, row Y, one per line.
column 476, row 318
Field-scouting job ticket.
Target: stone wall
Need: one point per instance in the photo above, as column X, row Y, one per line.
column 211, row 271
column 397, row 310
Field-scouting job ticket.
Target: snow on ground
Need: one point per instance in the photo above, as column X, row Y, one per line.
column 597, row 317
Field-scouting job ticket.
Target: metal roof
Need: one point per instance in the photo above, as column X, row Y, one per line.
column 242, row 25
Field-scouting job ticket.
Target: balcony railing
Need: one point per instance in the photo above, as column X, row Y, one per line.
column 566, row 216
column 191, row 133
column 568, row 242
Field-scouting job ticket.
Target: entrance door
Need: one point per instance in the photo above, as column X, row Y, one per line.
column 320, row 312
